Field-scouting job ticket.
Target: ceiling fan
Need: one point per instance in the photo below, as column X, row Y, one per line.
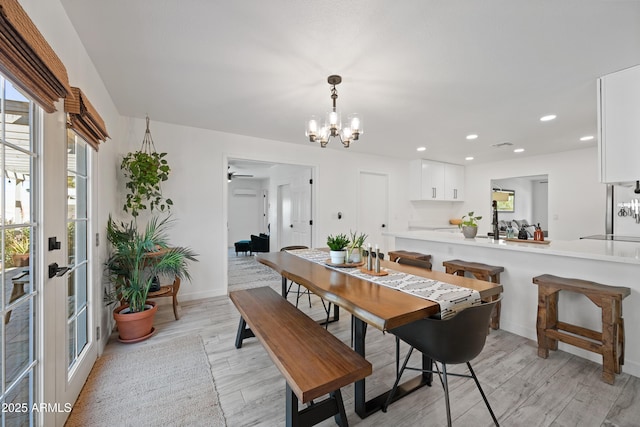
column 231, row 175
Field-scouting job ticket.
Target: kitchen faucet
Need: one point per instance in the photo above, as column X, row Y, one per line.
column 496, row 231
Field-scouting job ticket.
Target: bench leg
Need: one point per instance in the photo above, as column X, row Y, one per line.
column 293, row 416
column 315, row 412
column 341, row 416
column 243, row 332
column 547, row 319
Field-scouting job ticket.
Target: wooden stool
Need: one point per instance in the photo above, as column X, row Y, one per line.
column 488, row 273
column 609, row 343
column 394, row 255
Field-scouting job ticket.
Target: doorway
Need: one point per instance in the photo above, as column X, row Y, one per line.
column 285, row 209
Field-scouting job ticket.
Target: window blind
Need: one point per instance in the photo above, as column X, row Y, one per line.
column 84, row 119
column 28, row 60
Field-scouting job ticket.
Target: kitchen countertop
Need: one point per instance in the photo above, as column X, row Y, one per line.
column 603, row 250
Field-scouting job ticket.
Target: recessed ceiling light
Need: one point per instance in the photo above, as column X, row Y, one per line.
column 586, row 138
column 472, row 136
column 518, row 150
column 547, row 118
column 468, row 158
column 421, row 148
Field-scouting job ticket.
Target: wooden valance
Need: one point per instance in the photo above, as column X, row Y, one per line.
column 84, row 119
column 28, row 60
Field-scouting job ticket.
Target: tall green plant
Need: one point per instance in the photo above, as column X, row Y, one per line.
column 140, row 256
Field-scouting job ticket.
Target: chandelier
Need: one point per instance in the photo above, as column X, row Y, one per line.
column 333, row 122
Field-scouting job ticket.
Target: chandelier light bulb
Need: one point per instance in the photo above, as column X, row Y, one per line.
column 312, row 128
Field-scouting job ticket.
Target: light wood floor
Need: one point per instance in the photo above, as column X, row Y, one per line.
column 524, row 390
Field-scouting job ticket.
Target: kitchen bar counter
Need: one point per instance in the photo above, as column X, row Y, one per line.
column 608, row 262
column 604, row 250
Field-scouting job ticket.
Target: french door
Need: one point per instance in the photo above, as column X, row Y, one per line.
column 77, row 353
column 18, row 275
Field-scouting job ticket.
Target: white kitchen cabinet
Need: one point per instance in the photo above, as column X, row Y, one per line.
column 431, row 180
column 619, row 126
column 453, row 182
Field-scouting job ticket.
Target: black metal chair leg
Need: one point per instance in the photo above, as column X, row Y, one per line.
column 445, row 383
column 395, row 385
column 473, row 375
column 397, row 356
column 328, row 308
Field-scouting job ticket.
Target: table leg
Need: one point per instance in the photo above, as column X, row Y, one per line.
column 364, row 407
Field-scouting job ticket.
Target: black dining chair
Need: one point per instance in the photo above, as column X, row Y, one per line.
column 299, row 292
column 456, row 340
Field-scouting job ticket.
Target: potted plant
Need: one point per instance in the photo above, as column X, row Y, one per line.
column 469, row 225
column 136, row 259
column 354, row 250
column 19, row 246
column 144, row 171
column 337, row 245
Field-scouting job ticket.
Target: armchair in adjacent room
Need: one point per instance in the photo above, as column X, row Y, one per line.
column 259, row 243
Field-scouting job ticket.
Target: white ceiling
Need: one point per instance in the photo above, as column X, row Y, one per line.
column 422, row 73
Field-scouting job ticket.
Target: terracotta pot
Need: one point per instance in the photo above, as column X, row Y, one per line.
column 134, row 327
column 20, row 260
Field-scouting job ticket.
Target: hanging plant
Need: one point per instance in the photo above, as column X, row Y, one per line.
column 144, row 171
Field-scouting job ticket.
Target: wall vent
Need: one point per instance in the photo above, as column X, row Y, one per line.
column 501, row 144
column 245, row 192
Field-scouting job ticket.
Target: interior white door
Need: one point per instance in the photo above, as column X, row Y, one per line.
column 373, row 205
column 285, row 224
column 301, row 210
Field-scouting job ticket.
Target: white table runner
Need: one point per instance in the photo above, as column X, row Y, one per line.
column 451, row 298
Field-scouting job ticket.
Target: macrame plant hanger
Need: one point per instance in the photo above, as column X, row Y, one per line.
column 147, row 142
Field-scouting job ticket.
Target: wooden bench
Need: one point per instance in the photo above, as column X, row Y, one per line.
column 313, row 362
column 609, row 343
column 488, row 273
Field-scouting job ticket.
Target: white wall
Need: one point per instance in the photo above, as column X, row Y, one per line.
column 198, row 188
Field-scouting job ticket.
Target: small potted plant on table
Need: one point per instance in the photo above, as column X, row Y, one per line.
column 469, row 225
column 337, row 245
column 354, row 250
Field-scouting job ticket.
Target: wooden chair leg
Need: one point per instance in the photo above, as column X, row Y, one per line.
column 175, row 307
column 547, row 319
column 608, row 337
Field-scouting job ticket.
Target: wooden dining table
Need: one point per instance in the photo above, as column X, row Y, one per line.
column 372, row 304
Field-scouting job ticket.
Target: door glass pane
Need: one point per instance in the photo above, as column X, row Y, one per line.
column 18, row 246
column 18, row 339
column 81, row 331
column 19, row 399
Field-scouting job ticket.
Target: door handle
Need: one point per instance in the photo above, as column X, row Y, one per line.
column 384, row 225
column 291, row 226
column 56, row 271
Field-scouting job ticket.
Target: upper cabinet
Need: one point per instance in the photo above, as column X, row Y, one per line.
column 619, row 126
column 431, row 180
